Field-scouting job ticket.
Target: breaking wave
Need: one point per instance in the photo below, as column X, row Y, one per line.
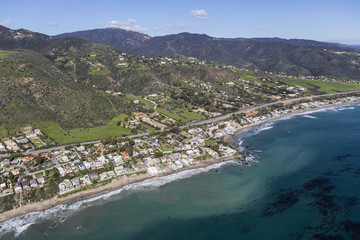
column 309, row 116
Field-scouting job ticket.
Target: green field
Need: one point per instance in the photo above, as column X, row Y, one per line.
column 4, row 53
column 190, row 116
column 318, row 86
column 61, row 136
column 172, row 115
column 181, row 115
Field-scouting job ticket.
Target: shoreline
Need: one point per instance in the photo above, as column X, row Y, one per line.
column 123, row 181
column 228, row 138
column 115, row 184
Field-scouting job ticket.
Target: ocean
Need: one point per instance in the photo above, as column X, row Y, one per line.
column 304, row 183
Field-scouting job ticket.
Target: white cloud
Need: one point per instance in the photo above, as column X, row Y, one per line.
column 130, row 24
column 200, row 14
column 51, row 24
column 170, row 27
column 5, row 22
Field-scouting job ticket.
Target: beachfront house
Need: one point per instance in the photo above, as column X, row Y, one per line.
column 18, row 188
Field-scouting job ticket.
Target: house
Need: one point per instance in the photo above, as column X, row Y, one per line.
column 119, row 170
column 33, row 183
column 31, row 135
column 111, row 174
column 85, row 180
column 3, row 186
column 7, row 192
column 10, row 145
column 25, row 185
column 75, row 182
column 80, row 149
column 184, row 162
column 41, row 181
column 65, row 186
column 118, row 160
column 230, row 84
column 21, row 140
column 152, row 171
column 178, row 164
column 61, row 171
column 45, row 155
column 38, row 131
column 103, row 176
column 18, row 188
column 94, row 176
column 15, row 171
column 98, row 164
column 64, row 158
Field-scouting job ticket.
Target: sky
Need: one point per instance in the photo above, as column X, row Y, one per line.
column 322, row 20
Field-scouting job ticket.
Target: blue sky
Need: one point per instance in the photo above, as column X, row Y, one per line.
column 324, row 20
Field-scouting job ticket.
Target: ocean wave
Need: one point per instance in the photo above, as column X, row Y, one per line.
column 342, row 108
column 256, row 130
column 20, row 224
column 309, row 116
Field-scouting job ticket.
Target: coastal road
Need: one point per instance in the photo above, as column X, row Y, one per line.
column 207, row 121
column 226, row 116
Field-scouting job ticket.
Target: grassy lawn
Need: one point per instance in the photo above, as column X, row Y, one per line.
column 316, row 86
column 61, row 136
column 148, row 127
column 37, row 143
column 167, row 147
column 188, row 115
column 4, row 53
column 172, row 115
column 209, row 142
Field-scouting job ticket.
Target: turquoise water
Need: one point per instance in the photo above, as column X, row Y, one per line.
column 304, row 185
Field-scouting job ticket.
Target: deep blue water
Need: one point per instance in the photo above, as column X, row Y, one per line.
column 305, row 185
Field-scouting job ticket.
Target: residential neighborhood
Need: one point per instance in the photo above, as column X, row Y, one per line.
column 82, row 166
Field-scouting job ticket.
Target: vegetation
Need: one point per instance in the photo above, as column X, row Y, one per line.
column 172, row 115
column 190, row 116
column 61, row 136
column 4, row 54
column 318, row 86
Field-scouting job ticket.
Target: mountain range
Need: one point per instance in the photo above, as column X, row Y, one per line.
column 293, row 57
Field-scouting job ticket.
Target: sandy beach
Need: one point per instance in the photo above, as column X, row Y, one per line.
column 115, row 184
column 122, row 181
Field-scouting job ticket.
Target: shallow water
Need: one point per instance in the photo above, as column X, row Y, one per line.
column 305, row 185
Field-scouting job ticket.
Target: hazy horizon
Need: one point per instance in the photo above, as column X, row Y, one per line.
column 326, row 21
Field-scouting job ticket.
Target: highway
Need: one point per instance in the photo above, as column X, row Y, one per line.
column 207, row 121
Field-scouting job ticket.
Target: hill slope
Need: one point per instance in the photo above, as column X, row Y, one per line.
column 71, row 81
column 25, row 39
